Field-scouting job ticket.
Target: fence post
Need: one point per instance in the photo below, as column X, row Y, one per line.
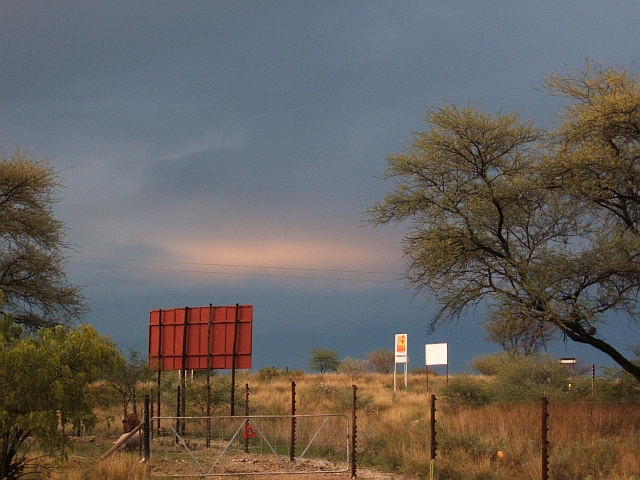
column 147, row 430
column 208, row 440
column 354, row 431
column 433, row 427
column 178, row 413
column 544, row 440
column 292, row 443
column 246, row 414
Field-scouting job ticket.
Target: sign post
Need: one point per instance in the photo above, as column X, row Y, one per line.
column 400, row 357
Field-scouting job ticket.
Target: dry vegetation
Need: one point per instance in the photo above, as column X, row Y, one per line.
column 587, row 438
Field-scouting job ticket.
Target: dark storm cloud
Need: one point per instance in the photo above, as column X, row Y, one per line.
column 254, row 132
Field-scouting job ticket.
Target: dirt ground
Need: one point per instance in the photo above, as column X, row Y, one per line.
column 361, row 473
column 94, row 447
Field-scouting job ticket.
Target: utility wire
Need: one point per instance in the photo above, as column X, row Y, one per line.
column 209, row 272
column 367, row 272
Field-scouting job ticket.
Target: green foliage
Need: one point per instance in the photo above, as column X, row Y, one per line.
column 490, row 363
column 543, row 228
column 125, row 377
column 618, row 386
column 35, row 286
column 220, row 393
column 466, row 390
column 530, row 377
column 381, row 361
column 269, row 373
column 323, row 360
column 43, row 379
column 519, row 331
column 471, row 443
column 577, row 460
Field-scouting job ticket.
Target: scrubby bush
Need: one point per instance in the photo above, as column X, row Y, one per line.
column 353, row 367
column 530, row 377
column 618, row 385
column 490, row 363
column 466, row 390
column 381, row 361
column 269, row 373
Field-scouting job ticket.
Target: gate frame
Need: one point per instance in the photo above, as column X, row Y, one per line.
column 243, row 421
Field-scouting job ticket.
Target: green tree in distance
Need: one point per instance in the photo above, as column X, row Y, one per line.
column 381, row 360
column 323, row 360
column 125, row 377
column 32, row 264
column 43, row 378
column 543, row 224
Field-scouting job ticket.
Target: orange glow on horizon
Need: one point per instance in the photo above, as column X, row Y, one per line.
column 299, row 255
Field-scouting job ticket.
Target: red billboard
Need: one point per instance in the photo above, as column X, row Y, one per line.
column 199, row 338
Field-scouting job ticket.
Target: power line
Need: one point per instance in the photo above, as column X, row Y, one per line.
column 365, row 272
column 271, row 275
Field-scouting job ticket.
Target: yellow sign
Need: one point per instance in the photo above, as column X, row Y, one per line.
column 401, row 348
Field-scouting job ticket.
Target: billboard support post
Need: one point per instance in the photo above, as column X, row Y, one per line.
column 183, row 380
column 211, row 338
column 208, row 442
column 233, row 360
column 159, row 366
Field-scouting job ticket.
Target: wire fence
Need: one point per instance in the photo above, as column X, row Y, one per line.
column 250, row 445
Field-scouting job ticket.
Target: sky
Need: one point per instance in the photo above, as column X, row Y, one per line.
column 223, row 152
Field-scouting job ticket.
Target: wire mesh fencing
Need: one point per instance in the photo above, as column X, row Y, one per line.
column 250, row 445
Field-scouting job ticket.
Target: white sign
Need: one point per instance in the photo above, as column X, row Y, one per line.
column 401, row 348
column 436, row 354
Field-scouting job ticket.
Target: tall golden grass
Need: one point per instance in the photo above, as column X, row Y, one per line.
column 586, row 438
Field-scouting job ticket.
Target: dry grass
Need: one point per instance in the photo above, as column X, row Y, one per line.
column 586, row 438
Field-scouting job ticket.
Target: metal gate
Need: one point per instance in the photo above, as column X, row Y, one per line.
column 250, row 445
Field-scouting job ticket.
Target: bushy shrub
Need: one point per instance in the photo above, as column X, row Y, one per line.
column 353, row 367
column 466, row 390
column 381, row 361
column 269, row 373
column 618, row 385
column 490, row 363
column 524, row 378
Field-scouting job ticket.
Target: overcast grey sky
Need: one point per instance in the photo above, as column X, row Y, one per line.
column 224, row 151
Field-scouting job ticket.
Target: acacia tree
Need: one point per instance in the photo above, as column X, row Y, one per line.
column 519, row 332
column 542, row 224
column 43, row 378
column 323, row 360
column 381, row 360
column 125, row 377
column 32, row 264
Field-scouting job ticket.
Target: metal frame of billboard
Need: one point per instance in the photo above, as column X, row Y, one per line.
column 199, row 338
